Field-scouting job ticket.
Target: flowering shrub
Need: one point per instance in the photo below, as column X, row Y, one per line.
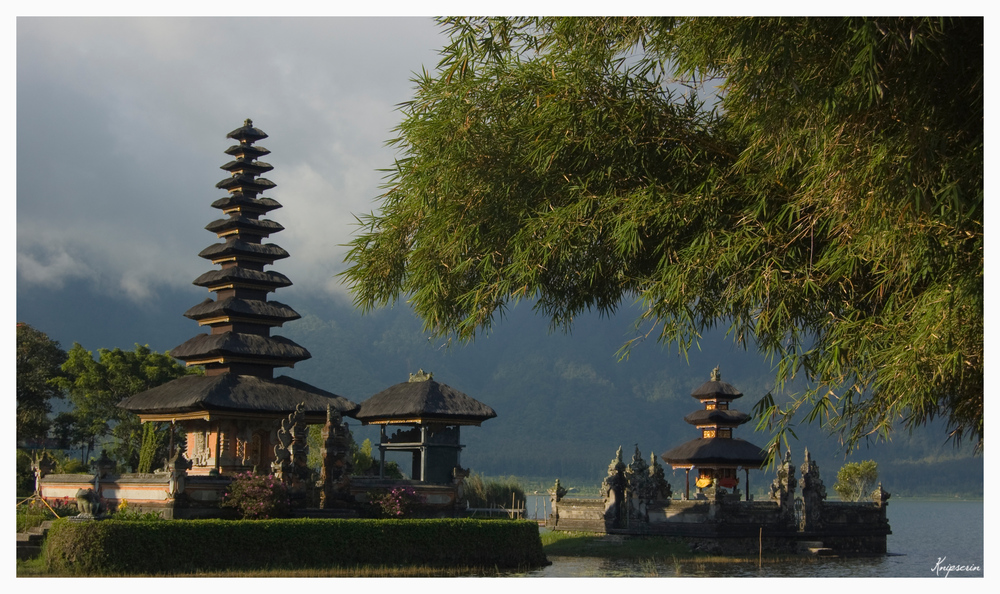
column 257, row 496
column 396, row 503
column 31, row 513
column 124, row 512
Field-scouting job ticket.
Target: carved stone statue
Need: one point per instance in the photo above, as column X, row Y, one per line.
column 638, row 486
column 658, row 480
column 281, row 467
column 783, row 489
column 813, row 494
column 613, row 491
column 881, row 496
column 89, row 503
column 176, row 466
column 557, row 492
column 335, row 473
column 105, row 465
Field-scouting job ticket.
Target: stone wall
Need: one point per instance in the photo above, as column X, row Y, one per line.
column 578, row 515
column 722, row 523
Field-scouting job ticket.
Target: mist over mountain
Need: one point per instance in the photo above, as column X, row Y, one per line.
column 564, row 401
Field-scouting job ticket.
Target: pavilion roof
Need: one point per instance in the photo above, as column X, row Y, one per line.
column 232, row 392
column 239, row 344
column 716, row 450
column 423, row 400
column 245, row 308
column 717, row 415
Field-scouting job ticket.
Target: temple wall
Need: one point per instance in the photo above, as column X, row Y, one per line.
column 578, row 515
column 730, row 527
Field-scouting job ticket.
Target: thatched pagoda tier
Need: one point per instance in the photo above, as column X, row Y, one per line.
column 245, row 183
column 272, row 313
column 236, row 249
column 716, row 451
column 238, row 346
column 242, row 164
column 239, row 203
column 200, row 396
column 243, row 224
column 716, row 389
column 423, row 402
column 722, row 417
column 225, row 278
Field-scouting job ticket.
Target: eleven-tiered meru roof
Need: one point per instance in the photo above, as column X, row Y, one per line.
column 240, row 317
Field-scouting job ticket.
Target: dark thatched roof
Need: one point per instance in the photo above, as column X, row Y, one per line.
column 247, row 133
column 262, row 204
column 720, row 416
column 236, row 344
column 231, row 392
column 238, row 274
column 716, row 389
column 423, row 400
column 262, row 227
column 246, row 182
column 257, row 167
column 244, row 308
column 247, row 150
column 716, row 450
column 238, row 247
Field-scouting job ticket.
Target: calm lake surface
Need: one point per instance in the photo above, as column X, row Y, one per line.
column 927, row 537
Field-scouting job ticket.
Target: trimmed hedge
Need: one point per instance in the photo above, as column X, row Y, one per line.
column 182, row 546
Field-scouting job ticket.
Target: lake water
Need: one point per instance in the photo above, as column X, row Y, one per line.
column 927, row 537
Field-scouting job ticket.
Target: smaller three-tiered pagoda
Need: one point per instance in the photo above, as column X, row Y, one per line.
column 716, row 454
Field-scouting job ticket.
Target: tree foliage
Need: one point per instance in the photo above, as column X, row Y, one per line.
column 38, row 364
column 96, row 387
column 814, row 185
column 856, row 480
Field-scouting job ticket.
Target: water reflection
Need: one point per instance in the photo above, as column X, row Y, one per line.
column 797, row 567
column 922, row 532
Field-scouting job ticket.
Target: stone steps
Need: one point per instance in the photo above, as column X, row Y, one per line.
column 815, row 548
column 29, row 544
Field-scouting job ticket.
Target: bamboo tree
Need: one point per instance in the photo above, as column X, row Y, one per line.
column 813, row 185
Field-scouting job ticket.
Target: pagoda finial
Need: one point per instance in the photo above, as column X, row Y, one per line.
column 248, row 122
column 420, row 376
column 716, row 375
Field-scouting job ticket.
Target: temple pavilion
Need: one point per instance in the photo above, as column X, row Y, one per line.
column 716, row 454
column 428, row 416
column 231, row 413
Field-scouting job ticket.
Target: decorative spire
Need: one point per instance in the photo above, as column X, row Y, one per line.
column 716, row 375
column 420, row 376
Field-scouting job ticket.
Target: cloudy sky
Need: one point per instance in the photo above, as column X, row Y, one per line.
column 121, row 126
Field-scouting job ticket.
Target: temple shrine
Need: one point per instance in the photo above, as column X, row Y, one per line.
column 232, row 414
column 429, row 416
column 716, row 454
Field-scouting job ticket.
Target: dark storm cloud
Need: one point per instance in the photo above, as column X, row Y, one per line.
column 121, row 130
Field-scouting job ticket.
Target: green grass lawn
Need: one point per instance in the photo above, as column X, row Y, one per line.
column 587, row 544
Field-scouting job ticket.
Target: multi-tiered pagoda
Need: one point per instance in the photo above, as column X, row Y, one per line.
column 716, row 454
column 230, row 412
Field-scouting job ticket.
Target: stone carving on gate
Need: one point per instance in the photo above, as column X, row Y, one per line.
column 613, row 490
column 813, row 494
column 783, row 489
column 281, row 467
column 335, row 473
